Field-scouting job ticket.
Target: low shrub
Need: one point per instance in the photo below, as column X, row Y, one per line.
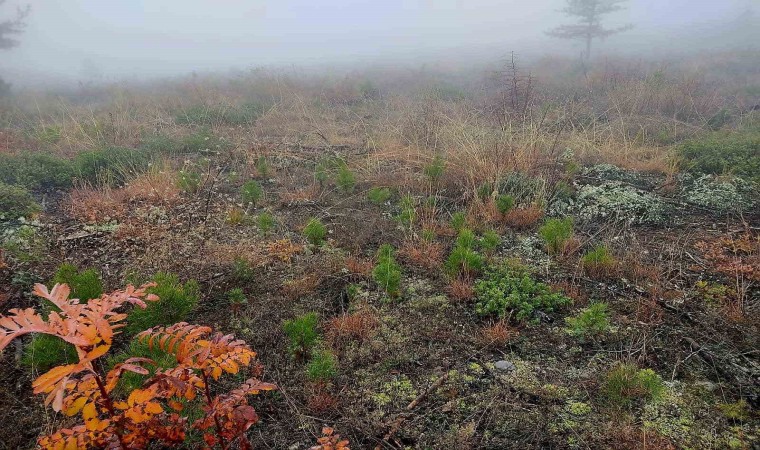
column 315, row 231
column 464, row 260
column 458, row 220
column 176, row 302
column 15, row 202
column 237, row 299
column 262, row 166
column 44, row 352
column 556, row 233
column 626, row 384
column 511, row 292
column 379, row 195
column 215, row 115
column 84, row 284
column 589, row 322
column 322, row 367
column 36, row 171
column 490, row 241
column 598, row 261
column 345, row 179
column 251, row 192
column 266, row 222
column 112, row 165
column 434, row 170
column 505, row 203
column 302, row 333
column 387, row 272
column 736, row 153
column 161, row 144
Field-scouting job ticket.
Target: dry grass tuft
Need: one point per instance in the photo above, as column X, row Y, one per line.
column 359, row 326
column 524, row 218
column 461, row 289
column 424, row 254
column 359, row 266
column 498, row 334
column 96, row 205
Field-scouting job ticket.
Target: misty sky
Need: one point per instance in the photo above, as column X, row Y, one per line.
column 81, row 38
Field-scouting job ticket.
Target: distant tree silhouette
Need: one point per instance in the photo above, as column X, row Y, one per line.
column 11, row 27
column 589, row 26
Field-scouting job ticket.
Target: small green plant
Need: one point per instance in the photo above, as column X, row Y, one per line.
column 251, row 192
column 112, row 165
column 505, row 203
column 36, row 171
column 15, row 202
column 428, row 235
column 435, row 169
column 598, row 261
column 509, row 291
column 84, row 284
column 627, row 383
column 721, row 153
column 302, row 333
column 322, row 367
column 345, row 179
column 463, row 259
column 189, row 181
column 242, row 270
column 458, row 220
column 485, row 190
column 315, row 231
column 490, row 241
column 379, row 195
column 237, row 299
column 556, row 233
column 266, row 222
column 262, row 166
column 45, row 351
column 408, row 213
column 591, row 321
column 387, row 272
column 739, row 411
column 177, row 301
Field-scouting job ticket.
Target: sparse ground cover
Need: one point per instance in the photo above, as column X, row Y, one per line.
column 423, row 267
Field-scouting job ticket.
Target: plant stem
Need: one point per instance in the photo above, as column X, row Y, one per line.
column 218, row 425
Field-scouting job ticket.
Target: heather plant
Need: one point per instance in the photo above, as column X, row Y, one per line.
column 511, row 292
column 556, row 233
column 178, row 300
column 302, row 334
column 315, row 231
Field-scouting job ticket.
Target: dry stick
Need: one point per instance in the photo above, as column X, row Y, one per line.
column 402, row 418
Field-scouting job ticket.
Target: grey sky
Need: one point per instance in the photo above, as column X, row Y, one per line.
column 162, row 37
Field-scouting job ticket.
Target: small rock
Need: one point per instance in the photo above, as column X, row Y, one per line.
column 504, row 365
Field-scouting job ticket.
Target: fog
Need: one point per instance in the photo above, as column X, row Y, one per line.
column 101, row 40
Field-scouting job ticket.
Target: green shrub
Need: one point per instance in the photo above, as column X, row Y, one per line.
column 15, row 202
column 262, row 166
column 84, row 284
column 512, row 292
column 236, row 297
column 315, row 231
column 408, row 213
column 379, row 195
column 463, row 259
column 458, row 220
column 189, row 181
column 266, row 222
column 589, row 322
column 161, row 144
column 434, row 170
column 485, row 190
column 555, row 233
column 490, row 241
column 112, row 165
column 505, row 203
column 598, row 261
column 130, row 381
column 387, row 273
column 302, row 333
column 36, row 171
column 242, row 270
column 627, row 383
column 524, row 188
column 45, row 352
column 345, row 179
column 251, row 192
column 322, row 366
column 736, row 153
column 176, row 302
column 738, row 411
